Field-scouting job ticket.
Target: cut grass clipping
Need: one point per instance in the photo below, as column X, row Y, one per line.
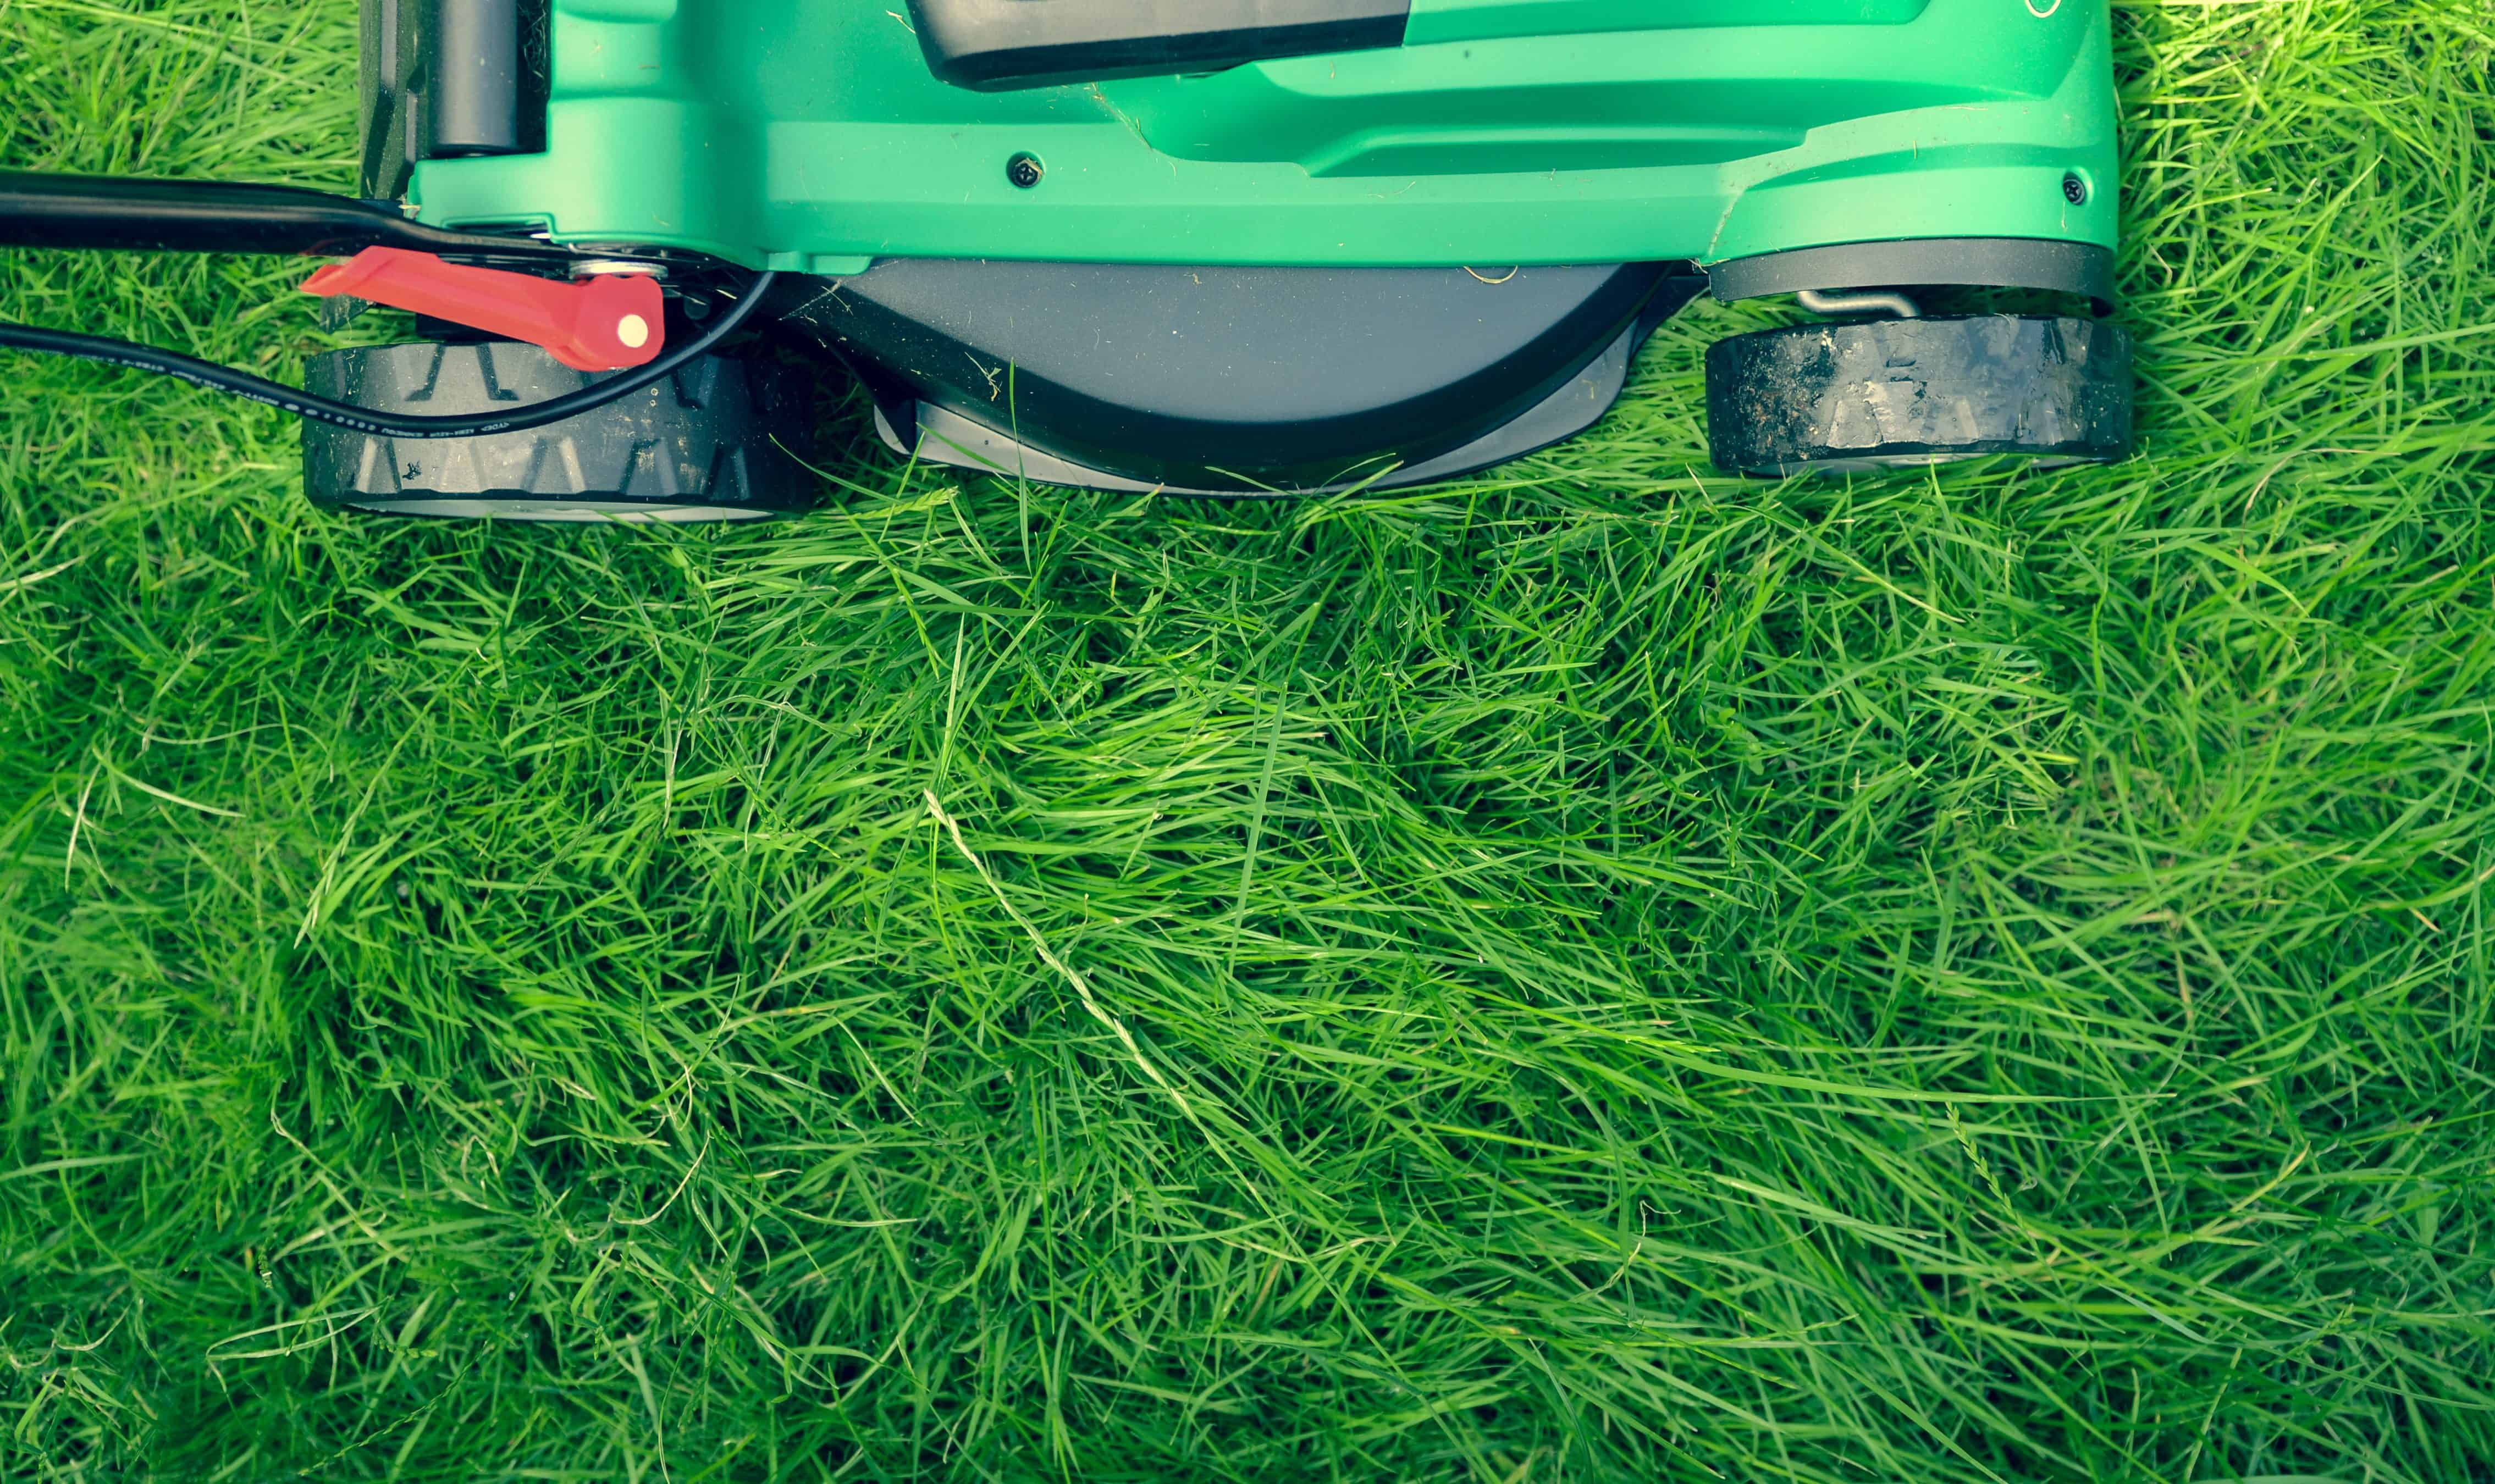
column 1600, row 971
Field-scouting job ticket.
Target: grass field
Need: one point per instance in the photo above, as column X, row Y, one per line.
column 1598, row 972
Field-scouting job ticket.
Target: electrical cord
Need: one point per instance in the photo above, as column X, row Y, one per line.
column 369, row 420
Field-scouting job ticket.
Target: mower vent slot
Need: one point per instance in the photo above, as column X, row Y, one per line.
column 997, row 45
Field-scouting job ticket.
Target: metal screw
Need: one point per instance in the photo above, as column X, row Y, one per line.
column 1025, row 170
column 2074, row 190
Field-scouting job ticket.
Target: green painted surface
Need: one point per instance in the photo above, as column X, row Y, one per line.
column 810, row 135
column 1464, row 20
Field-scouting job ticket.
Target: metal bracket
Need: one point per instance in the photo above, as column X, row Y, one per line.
column 1988, row 262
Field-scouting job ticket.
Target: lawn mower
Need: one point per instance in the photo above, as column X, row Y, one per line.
column 1237, row 248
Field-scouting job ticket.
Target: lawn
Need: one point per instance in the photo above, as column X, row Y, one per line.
column 1600, row 971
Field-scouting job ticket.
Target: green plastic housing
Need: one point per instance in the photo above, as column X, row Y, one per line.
column 809, row 136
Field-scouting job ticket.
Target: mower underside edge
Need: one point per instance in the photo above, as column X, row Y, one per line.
column 1234, row 379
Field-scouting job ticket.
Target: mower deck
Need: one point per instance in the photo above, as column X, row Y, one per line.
column 814, row 135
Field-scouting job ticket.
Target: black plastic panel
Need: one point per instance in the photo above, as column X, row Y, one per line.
column 445, row 78
column 476, row 65
column 994, row 45
column 947, row 436
column 1229, row 379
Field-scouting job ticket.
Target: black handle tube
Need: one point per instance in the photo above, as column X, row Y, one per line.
column 117, row 214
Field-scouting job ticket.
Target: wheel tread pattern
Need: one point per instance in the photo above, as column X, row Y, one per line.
column 1904, row 391
column 715, row 435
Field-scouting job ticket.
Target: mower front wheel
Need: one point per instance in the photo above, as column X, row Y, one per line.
column 1887, row 394
column 721, row 439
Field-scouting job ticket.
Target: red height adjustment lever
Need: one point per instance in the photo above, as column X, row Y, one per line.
column 604, row 323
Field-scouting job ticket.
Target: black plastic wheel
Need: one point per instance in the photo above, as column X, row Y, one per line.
column 1902, row 393
column 721, row 439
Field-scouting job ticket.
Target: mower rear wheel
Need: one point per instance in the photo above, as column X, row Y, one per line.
column 1891, row 394
column 723, row 439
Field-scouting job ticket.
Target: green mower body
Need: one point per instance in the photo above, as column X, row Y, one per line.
column 1241, row 247
column 813, row 135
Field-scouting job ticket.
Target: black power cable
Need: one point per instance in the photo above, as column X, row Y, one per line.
column 368, row 420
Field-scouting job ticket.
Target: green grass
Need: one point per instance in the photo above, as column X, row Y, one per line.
column 1598, row 972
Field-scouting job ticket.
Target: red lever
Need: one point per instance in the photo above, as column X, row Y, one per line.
column 604, row 324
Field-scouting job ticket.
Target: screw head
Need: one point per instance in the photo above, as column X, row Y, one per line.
column 2074, row 190
column 1025, row 170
